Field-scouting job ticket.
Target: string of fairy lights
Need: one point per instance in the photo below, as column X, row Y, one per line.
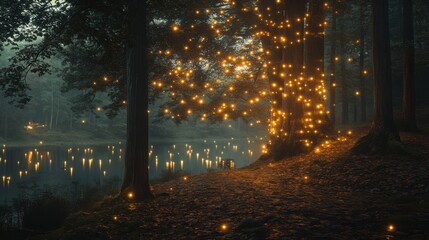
column 247, row 77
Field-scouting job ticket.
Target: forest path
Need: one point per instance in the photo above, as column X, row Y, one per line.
column 326, row 195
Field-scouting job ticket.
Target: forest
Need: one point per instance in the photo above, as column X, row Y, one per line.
column 214, row 119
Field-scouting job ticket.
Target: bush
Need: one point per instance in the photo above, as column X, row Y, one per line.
column 5, row 217
column 45, row 213
column 88, row 196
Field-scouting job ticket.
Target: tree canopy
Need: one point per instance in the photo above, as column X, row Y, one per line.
column 214, row 61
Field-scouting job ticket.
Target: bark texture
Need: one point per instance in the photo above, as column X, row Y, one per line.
column 409, row 101
column 362, row 74
column 136, row 179
column 332, row 82
column 383, row 135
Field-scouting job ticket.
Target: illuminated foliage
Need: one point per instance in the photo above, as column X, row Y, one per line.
column 254, row 53
column 261, row 61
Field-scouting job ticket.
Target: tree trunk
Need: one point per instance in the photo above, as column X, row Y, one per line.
column 136, row 180
column 5, row 121
column 71, row 120
column 332, row 82
column 52, row 105
column 297, row 69
column 315, row 56
column 289, row 61
column 344, row 87
column 355, row 109
column 409, row 101
column 362, row 73
column 58, row 111
column 383, row 134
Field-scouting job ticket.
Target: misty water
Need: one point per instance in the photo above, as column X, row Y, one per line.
column 63, row 168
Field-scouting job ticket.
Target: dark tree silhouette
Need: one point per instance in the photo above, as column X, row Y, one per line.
column 343, row 81
column 362, row 73
column 383, row 132
column 136, row 180
column 86, row 26
column 332, row 62
column 409, row 100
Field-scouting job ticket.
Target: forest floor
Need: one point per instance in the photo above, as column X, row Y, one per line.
column 326, row 195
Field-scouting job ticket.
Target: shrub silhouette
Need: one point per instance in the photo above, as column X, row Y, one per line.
column 45, row 213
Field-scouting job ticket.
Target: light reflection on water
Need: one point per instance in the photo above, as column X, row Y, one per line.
column 93, row 166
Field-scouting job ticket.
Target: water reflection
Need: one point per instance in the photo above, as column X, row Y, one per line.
column 94, row 166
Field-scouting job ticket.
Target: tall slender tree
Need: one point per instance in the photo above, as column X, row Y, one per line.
column 343, row 81
column 409, row 98
column 383, row 131
column 362, row 71
column 332, row 62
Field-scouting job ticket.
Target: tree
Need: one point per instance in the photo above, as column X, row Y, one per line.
column 332, row 67
column 253, row 62
column 212, row 63
column 383, row 131
column 343, row 83
column 409, row 98
column 362, row 71
column 136, row 177
column 293, row 40
column 259, row 51
column 62, row 25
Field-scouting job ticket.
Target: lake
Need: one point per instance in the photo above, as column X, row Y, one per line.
column 48, row 167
